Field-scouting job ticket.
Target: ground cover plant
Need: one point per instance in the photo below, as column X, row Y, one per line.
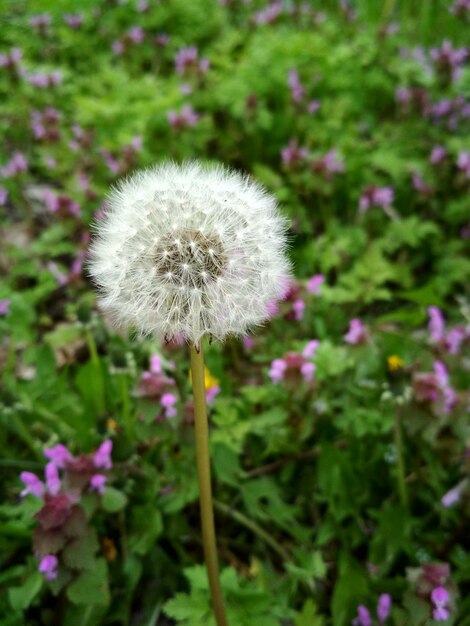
column 340, row 435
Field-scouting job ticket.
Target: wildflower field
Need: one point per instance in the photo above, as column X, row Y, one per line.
column 339, row 429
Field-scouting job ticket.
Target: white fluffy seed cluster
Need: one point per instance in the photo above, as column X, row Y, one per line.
column 189, row 250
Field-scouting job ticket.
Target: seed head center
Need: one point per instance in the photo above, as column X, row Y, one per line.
column 190, row 258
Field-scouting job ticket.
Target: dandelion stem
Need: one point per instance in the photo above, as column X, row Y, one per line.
column 401, row 474
column 205, row 488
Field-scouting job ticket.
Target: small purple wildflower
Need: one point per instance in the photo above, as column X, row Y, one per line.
column 292, row 154
column 168, row 400
column 53, row 483
column 440, row 597
column 308, row 371
column 363, row 617
column 297, row 91
column 438, row 154
column 186, row 117
column 454, row 339
column 211, row 393
column 376, row 196
column 248, row 343
column 436, row 324
column 33, row 485
column 314, row 283
column 136, row 34
column 16, row 165
column 4, row 306
column 313, row 106
column 309, row 351
column 452, row 496
column 59, row 455
column 97, row 483
column 48, row 566
column 277, row 370
column 357, row 332
column 463, row 162
column 298, row 308
column 74, row 21
column 384, row 607
column 102, row 457
column 3, row 196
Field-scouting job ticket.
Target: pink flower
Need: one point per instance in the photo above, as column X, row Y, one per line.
column 463, row 162
column 298, row 308
column 296, row 89
column 383, row 607
column 436, row 323
column 48, row 566
column 292, row 154
column 310, row 349
column 33, row 485
column 53, row 483
column 168, row 400
column 313, row 106
column 136, row 34
column 59, row 455
column 452, row 496
column 454, row 339
column 248, row 343
column 97, row 483
column 376, row 196
column 156, row 364
column 277, row 370
column 438, row 154
column 117, row 47
column 74, row 21
column 440, row 597
column 186, row 117
column 308, row 370
column 4, row 306
column 314, row 283
column 357, row 332
column 363, row 617
column 102, row 457
column 211, row 393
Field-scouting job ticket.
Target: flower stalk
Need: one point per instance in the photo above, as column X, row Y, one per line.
column 205, row 488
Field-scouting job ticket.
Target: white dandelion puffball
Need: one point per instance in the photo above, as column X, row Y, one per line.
column 189, row 250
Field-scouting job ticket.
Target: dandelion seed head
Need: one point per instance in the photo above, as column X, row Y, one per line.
column 189, row 250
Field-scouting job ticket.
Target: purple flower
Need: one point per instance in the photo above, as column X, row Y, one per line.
column 384, row 606
column 313, row 106
column 292, row 154
column 211, row 393
column 298, row 308
column 41, row 21
column 102, row 457
column 136, row 34
column 438, row 154
column 97, row 483
column 453, row 495
column 162, row 40
column 59, row 454
column 308, row 370
column 117, row 47
column 277, row 370
column 333, row 163
column 32, row 484
column 314, row 283
column 357, row 332
column 168, row 400
column 436, row 324
column 363, row 617
column 297, row 91
column 248, row 343
column 142, row 6
column 186, row 117
column 53, row 483
column 155, row 364
column 15, row 165
column 463, row 162
column 4, row 306
column 309, row 351
column 48, row 566
column 269, row 14
column 440, row 597
column 376, row 196
column 184, row 58
column 454, row 339
column 74, row 21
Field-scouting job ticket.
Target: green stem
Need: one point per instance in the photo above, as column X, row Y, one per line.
column 98, row 387
column 255, row 529
column 401, row 473
column 126, row 407
column 205, row 489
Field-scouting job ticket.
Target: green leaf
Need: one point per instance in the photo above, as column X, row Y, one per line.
column 145, row 527
column 91, row 587
column 309, row 616
column 113, row 500
column 80, row 553
column 22, row 597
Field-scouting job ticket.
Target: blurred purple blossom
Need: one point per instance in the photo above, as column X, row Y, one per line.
column 376, row 196
column 48, row 566
column 4, row 306
column 142, row 6
column 187, row 61
column 314, row 283
column 75, row 21
column 186, row 117
column 292, row 154
column 363, row 617
column 277, row 369
column 97, row 483
column 102, row 457
column 298, row 308
column 309, row 351
column 438, row 154
column 357, row 332
column 168, row 401
column 32, row 484
column 135, row 34
column 53, row 482
column 12, row 60
column 268, row 15
column 448, row 60
column 453, row 496
column 440, row 597
column 16, row 165
column 384, row 607
column 162, row 40
column 313, row 106
column 297, row 91
column 40, row 22
column 436, row 324
column 59, row 454
column 3, row 196
column 463, row 162
column 460, row 8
